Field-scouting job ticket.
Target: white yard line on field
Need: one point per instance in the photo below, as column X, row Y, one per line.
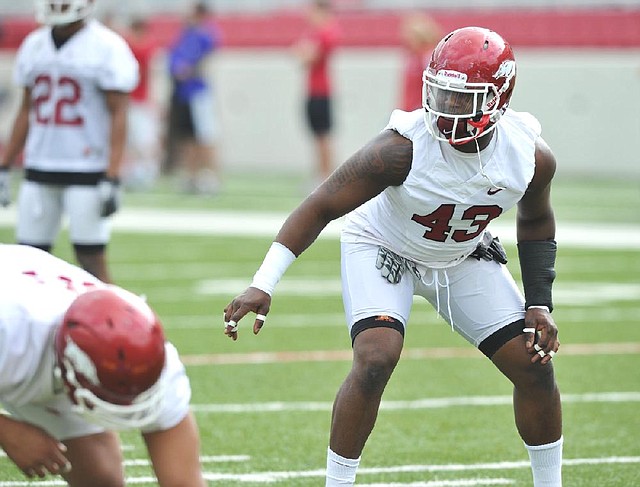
column 266, row 224
column 273, row 477
column 423, row 316
column 428, row 403
column 410, row 353
column 283, row 476
column 445, row 483
column 594, row 293
column 564, row 292
column 144, row 462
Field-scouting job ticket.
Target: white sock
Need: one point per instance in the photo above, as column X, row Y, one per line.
column 546, row 464
column 340, row 470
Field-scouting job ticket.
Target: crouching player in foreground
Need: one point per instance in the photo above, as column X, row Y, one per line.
column 80, row 359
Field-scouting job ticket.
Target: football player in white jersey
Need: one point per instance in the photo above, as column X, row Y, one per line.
column 76, row 77
column 80, row 360
column 419, row 198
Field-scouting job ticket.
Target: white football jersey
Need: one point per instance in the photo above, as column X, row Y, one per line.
column 69, row 125
column 36, row 289
column 440, row 212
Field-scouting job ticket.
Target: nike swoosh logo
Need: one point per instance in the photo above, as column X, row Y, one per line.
column 493, row 191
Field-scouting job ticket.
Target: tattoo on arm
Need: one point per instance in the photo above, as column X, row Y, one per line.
column 385, row 161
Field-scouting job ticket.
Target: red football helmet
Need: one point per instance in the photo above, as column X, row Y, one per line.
column 110, row 354
column 468, row 84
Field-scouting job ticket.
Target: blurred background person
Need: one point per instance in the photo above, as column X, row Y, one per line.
column 192, row 126
column 419, row 34
column 142, row 159
column 76, row 76
column 314, row 50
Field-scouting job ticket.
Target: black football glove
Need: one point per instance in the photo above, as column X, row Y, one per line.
column 109, row 193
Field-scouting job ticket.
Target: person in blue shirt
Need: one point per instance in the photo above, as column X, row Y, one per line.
column 192, row 130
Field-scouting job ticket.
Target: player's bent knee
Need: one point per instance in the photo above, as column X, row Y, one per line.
column 374, row 377
column 377, row 348
column 540, row 377
column 515, row 363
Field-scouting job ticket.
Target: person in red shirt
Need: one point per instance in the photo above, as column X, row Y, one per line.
column 143, row 145
column 314, row 50
column 419, row 33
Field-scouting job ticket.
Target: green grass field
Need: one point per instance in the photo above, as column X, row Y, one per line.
column 263, row 403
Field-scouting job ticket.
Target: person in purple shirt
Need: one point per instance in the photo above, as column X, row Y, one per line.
column 192, row 130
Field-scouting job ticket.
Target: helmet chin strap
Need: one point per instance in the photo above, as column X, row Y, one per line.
column 481, row 167
column 479, row 123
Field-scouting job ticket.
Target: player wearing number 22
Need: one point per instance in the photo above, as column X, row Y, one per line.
column 76, row 77
column 419, row 198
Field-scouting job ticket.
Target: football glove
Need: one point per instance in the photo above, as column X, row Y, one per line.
column 392, row 266
column 5, row 186
column 109, row 194
column 490, row 249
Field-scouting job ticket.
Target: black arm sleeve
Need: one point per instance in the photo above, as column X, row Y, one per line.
column 537, row 263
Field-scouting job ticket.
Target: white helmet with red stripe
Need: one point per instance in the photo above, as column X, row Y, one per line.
column 60, row 12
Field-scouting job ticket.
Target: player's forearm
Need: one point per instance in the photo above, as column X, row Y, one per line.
column 543, row 227
column 8, row 427
column 17, row 139
column 537, row 254
column 117, row 142
column 537, row 266
column 303, row 226
column 298, row 232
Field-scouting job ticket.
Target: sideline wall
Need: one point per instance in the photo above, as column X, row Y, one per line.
column 587, row 100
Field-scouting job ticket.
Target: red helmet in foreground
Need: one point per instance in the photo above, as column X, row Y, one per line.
column 468, row 84
column 110, row 354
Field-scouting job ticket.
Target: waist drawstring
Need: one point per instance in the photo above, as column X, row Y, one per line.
column 436, row 281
